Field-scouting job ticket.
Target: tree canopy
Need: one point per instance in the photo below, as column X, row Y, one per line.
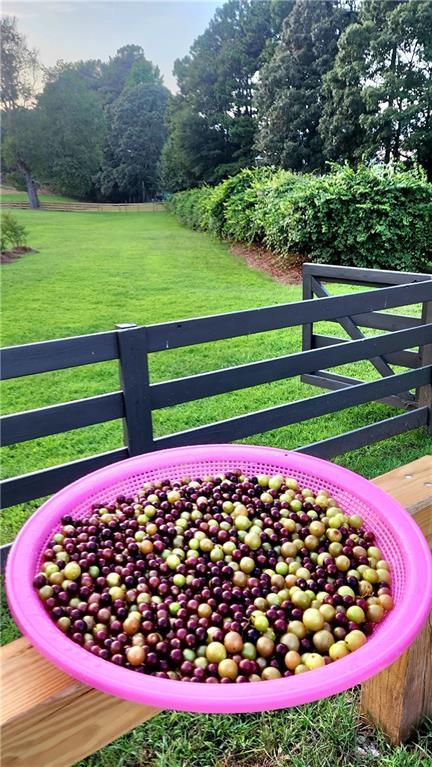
column 20, row 68
column 212, row 120
column 72, row 128
column 97, row 128
column 294, row 84
column 134, row 143
column 20, row 72
column 379, row 93
column 290, row 94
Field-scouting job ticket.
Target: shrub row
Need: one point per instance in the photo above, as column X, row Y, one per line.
column 369, row 217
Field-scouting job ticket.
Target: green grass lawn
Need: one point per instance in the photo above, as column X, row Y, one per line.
column 94, row 270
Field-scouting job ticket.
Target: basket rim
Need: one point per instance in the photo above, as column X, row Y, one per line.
column 396, row 633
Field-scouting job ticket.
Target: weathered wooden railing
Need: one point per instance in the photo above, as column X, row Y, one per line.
column 88, row 207
column 137, row 398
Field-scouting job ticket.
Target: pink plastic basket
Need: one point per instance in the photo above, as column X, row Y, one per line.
column 397, row 535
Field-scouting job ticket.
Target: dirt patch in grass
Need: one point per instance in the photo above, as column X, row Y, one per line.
column 7, row 256
column 287, row 270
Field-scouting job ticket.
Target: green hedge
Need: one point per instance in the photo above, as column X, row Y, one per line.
column 370, row 217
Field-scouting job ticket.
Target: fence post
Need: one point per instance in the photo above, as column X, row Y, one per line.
column 307, row 294
column 134, row 378
column 424, row 393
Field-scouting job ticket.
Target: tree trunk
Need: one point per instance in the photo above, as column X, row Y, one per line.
column 424, row 155
column 388, row 138
column 424, row 158
column 30, row 184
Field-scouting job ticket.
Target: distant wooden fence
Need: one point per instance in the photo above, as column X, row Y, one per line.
column 88, row 207
column 137, row 398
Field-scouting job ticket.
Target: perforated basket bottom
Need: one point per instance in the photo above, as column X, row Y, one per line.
column 396, row 534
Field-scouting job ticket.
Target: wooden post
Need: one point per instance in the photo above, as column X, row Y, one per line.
column 400, row 696
column 134, row 378
column 424, row 393
column 307, row 327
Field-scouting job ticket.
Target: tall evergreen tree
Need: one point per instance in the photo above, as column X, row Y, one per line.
column 398, row 86
column 214, row 106
column 340, row 127
column 290, row 93
column 116, row 70
column 379, row 93
column 134, row 144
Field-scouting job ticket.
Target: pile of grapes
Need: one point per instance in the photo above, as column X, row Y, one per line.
column 218, row 579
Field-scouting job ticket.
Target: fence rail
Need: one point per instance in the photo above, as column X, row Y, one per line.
column 314, row 275
column 45, row 356
column 89, row 207
column 410, row 390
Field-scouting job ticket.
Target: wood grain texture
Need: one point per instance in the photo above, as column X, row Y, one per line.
column 409, row 484
column 400, row 696
column 49, row 719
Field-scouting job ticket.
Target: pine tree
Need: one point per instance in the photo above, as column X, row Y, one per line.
column 212, row 122
column 341, row 131
column 290, row 94
column 379, row 93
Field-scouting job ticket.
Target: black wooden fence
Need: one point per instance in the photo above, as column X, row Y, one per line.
column 137, row 398
column 313, row 277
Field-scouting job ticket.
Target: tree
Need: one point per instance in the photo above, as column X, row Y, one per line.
column 143, row 71
column 105, row 87
column 280, row 10
column 20, row 67
column 340, row 127
column 173, row 173
column 89, row 70
column 215, row 104
column 22, row 141
column 398, row 86
column 73, row 128
column 134, row 144
column 380, row 90
column 115, row 72
column 290, row 94
column 19, row 72
column 195, row 151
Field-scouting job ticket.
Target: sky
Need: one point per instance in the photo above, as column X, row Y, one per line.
column 94, row 29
